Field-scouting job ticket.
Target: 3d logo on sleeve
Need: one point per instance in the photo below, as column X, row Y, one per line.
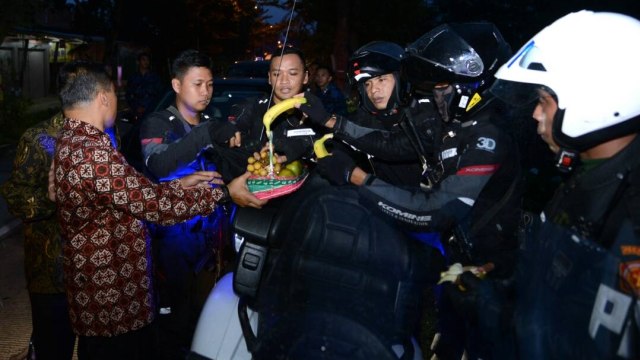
column 485, row 143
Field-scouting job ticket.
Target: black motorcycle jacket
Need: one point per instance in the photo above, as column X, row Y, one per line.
column 291, row 136
column 171, row 147
column 383, row 138
column 463, row 201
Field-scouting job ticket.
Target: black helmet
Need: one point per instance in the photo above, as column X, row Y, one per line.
column 374, row 59
column 464, row 56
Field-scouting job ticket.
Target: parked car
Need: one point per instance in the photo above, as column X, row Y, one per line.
column 253, row 69
column 226, row 93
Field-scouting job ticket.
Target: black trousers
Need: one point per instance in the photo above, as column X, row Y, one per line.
column 140, row 344
column 52, row 335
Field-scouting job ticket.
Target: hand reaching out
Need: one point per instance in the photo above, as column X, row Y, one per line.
column 240, row 194
column 201, row 178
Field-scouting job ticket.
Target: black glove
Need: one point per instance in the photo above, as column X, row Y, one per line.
column 221, row 131
column 336, row 167
column 479, row 301
column 465, row 302
column 314, row 109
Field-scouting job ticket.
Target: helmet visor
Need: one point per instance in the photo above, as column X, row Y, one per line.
column 515, row 93
column 444, row 48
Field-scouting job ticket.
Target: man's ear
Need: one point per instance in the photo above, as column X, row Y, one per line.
column 175, row 84
column 103, row 98
column 306, row 77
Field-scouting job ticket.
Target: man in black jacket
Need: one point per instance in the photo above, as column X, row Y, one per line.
column 470, row 170
column 292, row 138
column 178, row 141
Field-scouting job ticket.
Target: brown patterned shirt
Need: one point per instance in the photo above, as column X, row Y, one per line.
column 102, row 202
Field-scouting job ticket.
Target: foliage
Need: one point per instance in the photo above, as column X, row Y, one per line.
column 227, row 30
column 363, row 21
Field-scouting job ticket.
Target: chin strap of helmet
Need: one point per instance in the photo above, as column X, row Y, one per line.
column 566, row 160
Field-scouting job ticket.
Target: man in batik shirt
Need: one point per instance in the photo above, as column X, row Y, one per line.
column 102, row 202
column 26, row 194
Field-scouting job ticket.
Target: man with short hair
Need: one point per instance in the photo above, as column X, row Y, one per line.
column 287, row 77
column 178, row 141
column 143, row 88
column 102, row 203
column 326, row 89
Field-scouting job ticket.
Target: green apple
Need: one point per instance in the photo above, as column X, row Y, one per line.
column 295, row 167
column 286, row 173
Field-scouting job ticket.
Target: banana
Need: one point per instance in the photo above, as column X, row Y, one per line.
column 278, row 109
column 451, row 274
column 319, row 148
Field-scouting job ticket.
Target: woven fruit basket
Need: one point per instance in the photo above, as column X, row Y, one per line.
column 265, row 187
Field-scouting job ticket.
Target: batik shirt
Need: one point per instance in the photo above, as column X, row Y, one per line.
column 26, row 194
column 102, row 202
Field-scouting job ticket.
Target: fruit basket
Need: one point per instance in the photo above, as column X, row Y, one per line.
column 265, row 187
column 282, row 180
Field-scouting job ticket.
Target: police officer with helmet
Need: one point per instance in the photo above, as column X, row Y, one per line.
column 577, row 280
column 472, row 185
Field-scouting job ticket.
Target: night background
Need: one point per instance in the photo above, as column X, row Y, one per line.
column 115, row 31
column 230, row 30
column 37, row 37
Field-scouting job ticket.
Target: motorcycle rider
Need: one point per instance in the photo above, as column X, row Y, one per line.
column 473, row 193
column 375, row 71
column 577, row 285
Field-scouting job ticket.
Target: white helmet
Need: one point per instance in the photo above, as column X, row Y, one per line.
column 590, row 61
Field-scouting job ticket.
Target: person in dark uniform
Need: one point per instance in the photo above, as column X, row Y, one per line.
column 577, row 282
column 143, row 88
column 178, row 141
column 326, row 89
column 471, row 184
column 292, row 137
column 383, row 99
